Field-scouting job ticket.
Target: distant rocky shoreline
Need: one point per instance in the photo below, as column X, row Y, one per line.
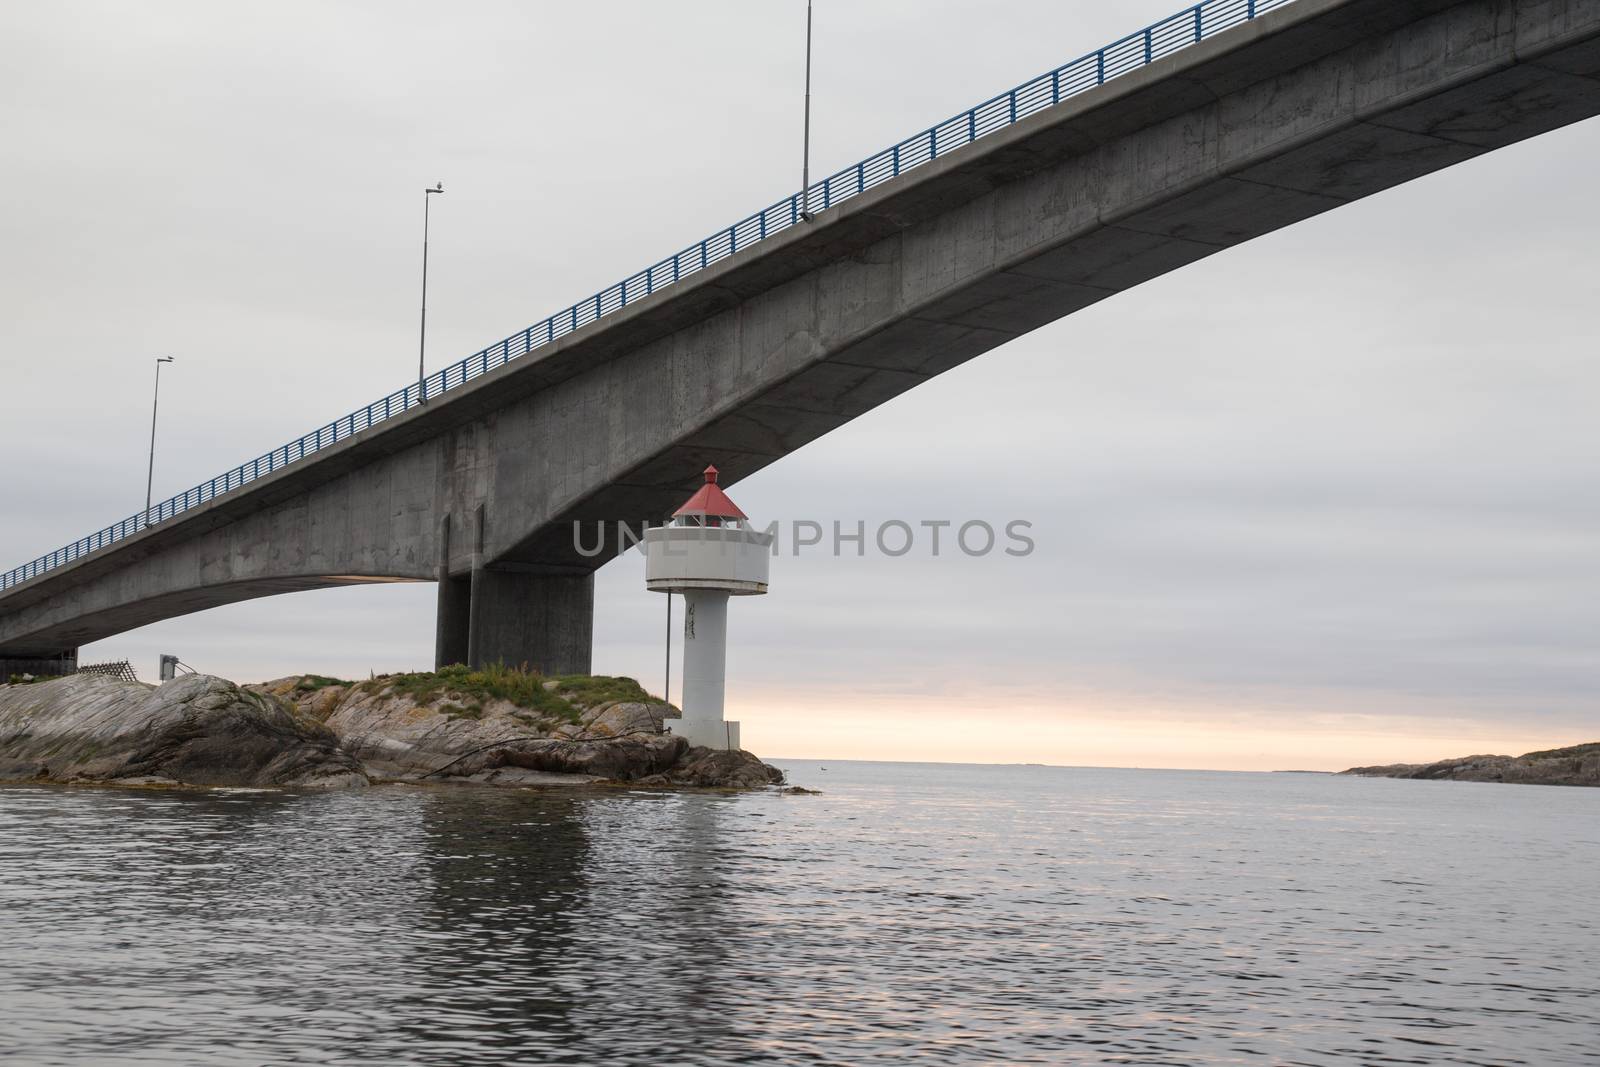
column 495, row 727
column 1577, row 765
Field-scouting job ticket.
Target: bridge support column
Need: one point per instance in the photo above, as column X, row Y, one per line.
column 455, row 622
column 455, row 607
column 542, row 620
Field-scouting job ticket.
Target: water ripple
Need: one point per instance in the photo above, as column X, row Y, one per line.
column 945, row 915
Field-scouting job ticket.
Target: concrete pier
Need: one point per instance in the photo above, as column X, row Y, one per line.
column 544, row 622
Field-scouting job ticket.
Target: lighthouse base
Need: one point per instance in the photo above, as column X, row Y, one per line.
column 706, row 733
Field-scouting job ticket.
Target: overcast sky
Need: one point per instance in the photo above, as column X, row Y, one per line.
column 1323, row 499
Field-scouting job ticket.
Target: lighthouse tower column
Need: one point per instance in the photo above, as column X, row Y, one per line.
column 709, row 553
column 705, row 670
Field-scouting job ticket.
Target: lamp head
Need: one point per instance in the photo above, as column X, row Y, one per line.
column 438, row 188
column 164, row 359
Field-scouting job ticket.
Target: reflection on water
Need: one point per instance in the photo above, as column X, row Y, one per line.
column 948, row 914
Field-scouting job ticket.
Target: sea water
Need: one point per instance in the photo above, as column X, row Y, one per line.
column 909, row 913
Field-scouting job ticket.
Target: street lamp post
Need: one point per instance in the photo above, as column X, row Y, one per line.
column 422, row 344
column 805, row 144
column 150, row 473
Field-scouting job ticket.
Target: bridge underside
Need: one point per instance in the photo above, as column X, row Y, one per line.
column 493, row 615
column 1315, row 105
column 60, row 644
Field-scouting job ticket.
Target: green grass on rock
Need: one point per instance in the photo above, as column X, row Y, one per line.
column 559, row 697
column 312, row 683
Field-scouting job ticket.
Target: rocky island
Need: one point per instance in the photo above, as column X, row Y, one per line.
column 495, row 726
column 1577, row 765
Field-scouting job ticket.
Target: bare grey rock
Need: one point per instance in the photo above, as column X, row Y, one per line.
column 495, row 742
column 195, row 730
column 200, row 730
column 400, row 738
column 523, row 778
column 716, row 769
column 622, row 719
column 620, row 759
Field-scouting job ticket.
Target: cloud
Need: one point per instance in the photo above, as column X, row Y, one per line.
column 1344, row 470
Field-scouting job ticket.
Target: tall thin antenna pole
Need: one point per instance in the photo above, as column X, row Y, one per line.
column 422, row 343
column 805, row 150
column 150, row 473
column 666, row 686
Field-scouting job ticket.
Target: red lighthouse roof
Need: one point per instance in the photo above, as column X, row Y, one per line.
column 710, row 501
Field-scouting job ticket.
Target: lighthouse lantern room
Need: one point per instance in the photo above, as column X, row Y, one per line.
column 709, row 552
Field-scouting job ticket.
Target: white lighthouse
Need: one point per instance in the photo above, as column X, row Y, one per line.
column 708, row 553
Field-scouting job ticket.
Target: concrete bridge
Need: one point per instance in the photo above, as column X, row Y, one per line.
column 1292, row 108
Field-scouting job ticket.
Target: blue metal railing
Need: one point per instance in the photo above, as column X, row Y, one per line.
column 1173, row 34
